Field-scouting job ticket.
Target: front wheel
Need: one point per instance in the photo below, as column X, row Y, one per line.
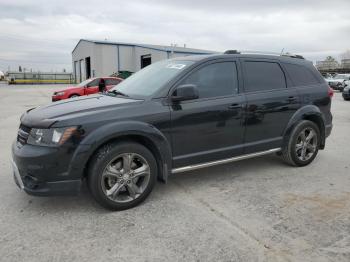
column 121, row 175
column 303, row 144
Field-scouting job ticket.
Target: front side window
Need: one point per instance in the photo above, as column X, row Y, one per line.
column 214, row 80
column 84, row 83
column 261, row 76
column 94, row 82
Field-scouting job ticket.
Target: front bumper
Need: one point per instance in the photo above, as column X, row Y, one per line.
column 43, row 171
column 57, row 98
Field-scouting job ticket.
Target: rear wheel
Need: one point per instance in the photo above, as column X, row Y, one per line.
column 303, row 144
column 122, row 175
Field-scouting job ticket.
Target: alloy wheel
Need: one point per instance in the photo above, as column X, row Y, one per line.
column 125, row 178
column 306, row 144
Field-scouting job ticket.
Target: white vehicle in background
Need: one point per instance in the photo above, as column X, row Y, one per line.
column 339, row 81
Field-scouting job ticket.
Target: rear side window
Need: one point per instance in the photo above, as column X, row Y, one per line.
column 213, row 80
column 301, row 75
column 260, row 76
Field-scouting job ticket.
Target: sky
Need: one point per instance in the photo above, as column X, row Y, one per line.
column 41, row 35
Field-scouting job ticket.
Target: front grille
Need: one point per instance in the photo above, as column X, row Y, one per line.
column 23, row 134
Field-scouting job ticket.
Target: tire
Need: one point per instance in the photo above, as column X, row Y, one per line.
column 116, row 185
column 72, row 96
column 296, row 148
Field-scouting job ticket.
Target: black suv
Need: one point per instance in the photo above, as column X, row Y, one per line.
column 173, row 116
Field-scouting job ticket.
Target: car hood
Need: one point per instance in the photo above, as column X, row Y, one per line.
column 45, row 116
column 69, row 88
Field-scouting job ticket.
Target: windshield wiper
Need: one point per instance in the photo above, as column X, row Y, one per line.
column 116, row 92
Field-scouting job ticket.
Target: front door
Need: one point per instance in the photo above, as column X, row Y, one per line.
column 210, row 127
column 92, row 87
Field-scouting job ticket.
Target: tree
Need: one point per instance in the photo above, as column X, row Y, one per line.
column 345, row 55
column 330, row 59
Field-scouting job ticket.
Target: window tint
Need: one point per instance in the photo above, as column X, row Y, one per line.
column 112, row 82
column 263, row 76
column 94, row 82
column 214, row 80
column 301, row 75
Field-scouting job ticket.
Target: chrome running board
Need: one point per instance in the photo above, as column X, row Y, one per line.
column 223, row 161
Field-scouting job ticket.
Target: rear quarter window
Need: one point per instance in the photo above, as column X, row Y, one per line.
column 301, row 75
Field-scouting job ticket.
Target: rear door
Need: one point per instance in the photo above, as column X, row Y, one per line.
column 270, row 104
column 111, row 82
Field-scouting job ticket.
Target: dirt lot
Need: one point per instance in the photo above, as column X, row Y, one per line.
column 253, row 210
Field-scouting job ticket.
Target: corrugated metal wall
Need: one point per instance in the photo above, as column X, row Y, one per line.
column 106, row 59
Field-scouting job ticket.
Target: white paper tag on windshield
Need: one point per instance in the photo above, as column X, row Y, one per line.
column 176, row 66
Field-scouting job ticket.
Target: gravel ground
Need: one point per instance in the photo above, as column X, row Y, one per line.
column 254, row 210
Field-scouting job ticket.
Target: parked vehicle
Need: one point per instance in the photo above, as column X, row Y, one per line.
column 174, row 116
column 346, row 92
column 87, row 87
column 339, row 81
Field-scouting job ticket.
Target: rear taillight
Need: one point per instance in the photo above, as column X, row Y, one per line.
column 330, row 92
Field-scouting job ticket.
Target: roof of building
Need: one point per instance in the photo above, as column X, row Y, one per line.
column 175, row 49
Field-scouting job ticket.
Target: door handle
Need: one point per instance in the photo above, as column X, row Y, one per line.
column 291, row 99
column 235, row 106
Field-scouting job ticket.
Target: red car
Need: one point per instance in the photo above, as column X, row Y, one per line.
column 87, row 87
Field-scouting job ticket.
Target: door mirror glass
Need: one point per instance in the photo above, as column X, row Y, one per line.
column 185, row 92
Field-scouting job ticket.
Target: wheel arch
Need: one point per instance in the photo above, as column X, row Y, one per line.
column 139, row 132
column 311, row 113
column 74, row 94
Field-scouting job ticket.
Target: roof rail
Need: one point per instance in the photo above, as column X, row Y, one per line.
column 229, row 52
column 293, row 55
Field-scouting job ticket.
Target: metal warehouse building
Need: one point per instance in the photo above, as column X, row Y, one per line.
column 103, row 58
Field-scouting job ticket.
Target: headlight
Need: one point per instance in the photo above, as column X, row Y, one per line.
column 58, row 94
column 50, row 137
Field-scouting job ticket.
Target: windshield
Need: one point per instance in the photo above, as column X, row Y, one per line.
column 150, row 79
column 84, row 83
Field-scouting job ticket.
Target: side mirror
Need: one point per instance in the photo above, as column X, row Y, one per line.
column 185, row 92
